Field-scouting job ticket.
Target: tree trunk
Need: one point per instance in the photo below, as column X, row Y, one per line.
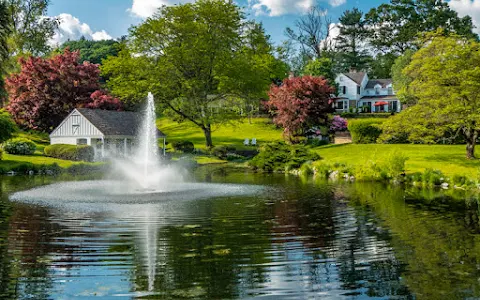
column 471, row 136
column 207, row 131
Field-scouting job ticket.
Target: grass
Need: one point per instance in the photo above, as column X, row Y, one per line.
column 230, row 134
column 450, row 159
column 10, row 160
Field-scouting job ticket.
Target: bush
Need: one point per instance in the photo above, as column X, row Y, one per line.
column 221, row 151
column 7, row 126
column 183, row 146
column 365, row 131
column 20, row 146
column 282, row 157
column 338, row 124
column 317, row 142
column 70, row 152
column 85, row 169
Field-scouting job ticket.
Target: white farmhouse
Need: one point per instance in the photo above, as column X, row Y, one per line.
column 108, row 132
column 357, row 91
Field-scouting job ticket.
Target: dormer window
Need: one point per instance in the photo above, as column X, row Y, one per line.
column 390, row 90
column 341, row 78
column 377, row 90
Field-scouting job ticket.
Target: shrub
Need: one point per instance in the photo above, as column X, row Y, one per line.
column 234, row 156
column 20, row 146
column 220, row 151
column 365, row 131
column 322, row 169
column 395, row 165
column 70, row 152
column 432, row 177
column 183, row 146
column 7, row 126
column 338, row 124
column 282, row 157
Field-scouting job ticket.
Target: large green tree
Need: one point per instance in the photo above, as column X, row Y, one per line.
column 351, row 41
column 445, row 76
column 398, row 23
column 200, row 60
column 5, row 31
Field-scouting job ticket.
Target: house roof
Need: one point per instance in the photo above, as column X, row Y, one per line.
column 373, row 82
column 357, row 77
column 111, row 122
column 380, row 97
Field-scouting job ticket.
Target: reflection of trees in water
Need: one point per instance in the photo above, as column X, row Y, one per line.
column 436, row 245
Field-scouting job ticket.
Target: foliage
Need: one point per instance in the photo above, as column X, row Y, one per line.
column 47, row 89
column 397, row 24
column 300, row 103
column 183, row 146
column 322, row 66
column 338, row 124
column 208, row 57
column 19, row 146
column 5, row 31
column 70, row 152
column 381, row 65
column 365, row 131
column 445, row 77
column 274, row 157
column 401, row 81
column 7, row 126
column 100, row 99
column 93, row 51
column 351, row 41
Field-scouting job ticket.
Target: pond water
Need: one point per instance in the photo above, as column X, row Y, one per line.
column 293, row 238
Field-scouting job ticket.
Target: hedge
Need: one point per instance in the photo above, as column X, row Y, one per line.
column 70, row 152
column 365, row 131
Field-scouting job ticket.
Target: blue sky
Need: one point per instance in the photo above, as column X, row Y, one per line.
column 100, row 19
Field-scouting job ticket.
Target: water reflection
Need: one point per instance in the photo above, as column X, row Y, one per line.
column 301, row 239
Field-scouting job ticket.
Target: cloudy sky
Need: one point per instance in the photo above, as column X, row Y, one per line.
column 105, row 19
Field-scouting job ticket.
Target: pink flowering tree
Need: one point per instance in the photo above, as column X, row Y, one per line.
column 46, row 90
column 299, row 104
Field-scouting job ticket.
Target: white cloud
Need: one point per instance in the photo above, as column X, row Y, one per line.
column 71, row 28
column 468, row 7
column 146, row 8
column 281, row 7
column 336, row 3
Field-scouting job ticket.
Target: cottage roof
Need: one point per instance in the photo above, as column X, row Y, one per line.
column 382, row 82
column 357, row 77
column 114, row 122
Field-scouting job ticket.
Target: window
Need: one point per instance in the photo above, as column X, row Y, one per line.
column 377, row 90
column 339, row 104
column 395, row 106
column 390, row 90
column 341, row 78
column 75, row 124
column 358, row 90
column 82, row 141
column 344, row 89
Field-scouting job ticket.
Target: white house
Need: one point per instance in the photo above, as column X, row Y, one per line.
column 109, row 132
column 357, row 91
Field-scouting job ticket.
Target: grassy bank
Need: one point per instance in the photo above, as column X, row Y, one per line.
column 229, row 134
column 449, row 159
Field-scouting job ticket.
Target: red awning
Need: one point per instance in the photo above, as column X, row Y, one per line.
column 380, row 103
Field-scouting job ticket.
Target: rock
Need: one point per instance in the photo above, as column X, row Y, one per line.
column 333, row 175
column 445, row 185
column 31, row 172
column 11, row 173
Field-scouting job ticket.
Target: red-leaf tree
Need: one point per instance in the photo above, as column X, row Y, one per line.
column 301, row 103
column 46, row 90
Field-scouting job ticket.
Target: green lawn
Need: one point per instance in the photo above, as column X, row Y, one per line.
column 450, row 159
column 10, row 160
column 230, row 134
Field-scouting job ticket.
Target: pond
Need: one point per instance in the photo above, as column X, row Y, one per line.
column 294, row 238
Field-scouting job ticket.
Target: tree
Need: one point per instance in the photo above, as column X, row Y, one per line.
column 321, row 67
column 351, row 41
column 401, row 81
column 301, row 103
column 5, row 31
column 398, row 23
column 196, row 61
column 31, row 29
column 312, row 33
column 445, row 75
column 93, row 51
column 381, row 65
column 7, row 126
column 46, row 90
